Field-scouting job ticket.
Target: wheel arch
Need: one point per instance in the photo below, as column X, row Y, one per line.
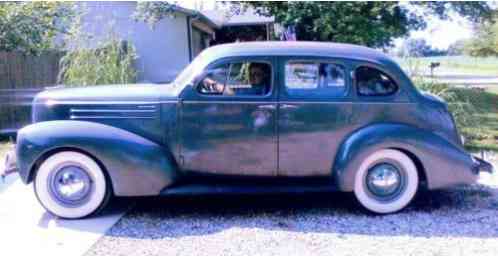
column 135, row 165
column 439, row 163
column 46, row 154
column 422, row 173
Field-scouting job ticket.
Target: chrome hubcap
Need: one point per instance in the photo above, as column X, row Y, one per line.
column 71, row 185
column 383, row 180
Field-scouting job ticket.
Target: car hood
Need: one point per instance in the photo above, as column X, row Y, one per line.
column 111, row 93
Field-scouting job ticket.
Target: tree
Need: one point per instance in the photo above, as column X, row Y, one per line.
column 485, row 41
column 31, row 26
column 373, row 24
column 153, row 12
column 418, row 47
column 457, row 48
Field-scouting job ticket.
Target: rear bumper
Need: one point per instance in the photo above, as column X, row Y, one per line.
column 10, row 165
column 481, row 165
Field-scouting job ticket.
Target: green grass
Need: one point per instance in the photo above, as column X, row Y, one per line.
column 485, row 134
column 462, row 64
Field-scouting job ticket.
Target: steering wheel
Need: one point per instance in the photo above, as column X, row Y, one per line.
column 209, row 86
column 206, row 86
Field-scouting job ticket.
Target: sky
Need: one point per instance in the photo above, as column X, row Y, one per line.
column 440, row 34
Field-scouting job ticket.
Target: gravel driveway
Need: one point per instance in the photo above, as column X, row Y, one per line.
column 461, row 221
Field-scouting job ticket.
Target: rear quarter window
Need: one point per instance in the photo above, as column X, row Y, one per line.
column 373, row 82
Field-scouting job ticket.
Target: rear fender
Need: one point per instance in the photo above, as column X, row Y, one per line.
column 136, row 166
column 442, row 163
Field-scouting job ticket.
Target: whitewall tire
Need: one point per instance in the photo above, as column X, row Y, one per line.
column 71, row 185
column 386, row 181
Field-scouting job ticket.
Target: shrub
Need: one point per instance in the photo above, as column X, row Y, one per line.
column 113, row 63
column 92, row 60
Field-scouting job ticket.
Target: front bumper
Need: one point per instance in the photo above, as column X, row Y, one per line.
column 481, row 165
column 10, row 165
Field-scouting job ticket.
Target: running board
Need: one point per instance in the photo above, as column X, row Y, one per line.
column 246, row 188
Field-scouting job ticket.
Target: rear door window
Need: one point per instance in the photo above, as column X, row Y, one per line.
column 314, row 79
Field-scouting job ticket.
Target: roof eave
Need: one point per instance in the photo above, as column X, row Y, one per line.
column 196, row 14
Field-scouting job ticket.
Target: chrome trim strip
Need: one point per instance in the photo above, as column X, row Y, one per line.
column 76, row 117
column 330, row 102
column 55, row 102
column 110, row 111
column 146, row 107
column 228, row 102
column 209, row 101
column 311, row 102
column 289, row 102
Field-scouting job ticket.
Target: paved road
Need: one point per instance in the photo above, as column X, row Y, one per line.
column 459, row 78
column 26, row 228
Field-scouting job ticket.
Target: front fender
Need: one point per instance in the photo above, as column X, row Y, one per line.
column 443, row 163
column 136, row 166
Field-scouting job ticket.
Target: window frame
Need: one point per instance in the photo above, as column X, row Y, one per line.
column 317, row 60
column 238, row 59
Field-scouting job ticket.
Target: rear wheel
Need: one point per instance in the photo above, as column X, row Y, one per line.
column 71, row 185
column 386, row 181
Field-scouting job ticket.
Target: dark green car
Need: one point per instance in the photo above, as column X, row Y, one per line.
column 246, row 118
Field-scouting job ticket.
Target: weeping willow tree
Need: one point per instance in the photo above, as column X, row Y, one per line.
column 88, row 61
column 112, row 63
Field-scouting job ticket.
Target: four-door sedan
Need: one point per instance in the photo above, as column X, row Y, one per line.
column 246, row 118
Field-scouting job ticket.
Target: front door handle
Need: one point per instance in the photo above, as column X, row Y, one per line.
column 288, row 106
column 268, row 107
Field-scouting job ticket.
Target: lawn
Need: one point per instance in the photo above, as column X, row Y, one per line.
column 457, row 64
column 486, row 132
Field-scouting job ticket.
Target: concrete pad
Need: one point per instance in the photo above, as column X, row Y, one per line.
column 25, row 227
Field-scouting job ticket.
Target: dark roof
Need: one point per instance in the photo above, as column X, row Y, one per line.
column 303, row 48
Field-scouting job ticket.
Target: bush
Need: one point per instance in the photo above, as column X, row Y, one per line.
column 113, row 63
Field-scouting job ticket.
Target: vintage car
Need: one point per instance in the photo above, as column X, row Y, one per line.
column 256, row 117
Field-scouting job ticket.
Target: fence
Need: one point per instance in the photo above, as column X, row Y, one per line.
column 21, row 77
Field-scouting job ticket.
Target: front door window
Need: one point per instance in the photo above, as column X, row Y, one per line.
column 237, row 79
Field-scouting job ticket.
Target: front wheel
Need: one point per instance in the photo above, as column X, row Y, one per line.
column 71, row 185
column 386, row 181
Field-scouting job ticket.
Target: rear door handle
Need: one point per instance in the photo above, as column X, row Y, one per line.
column 288, row 106
column 268, row 107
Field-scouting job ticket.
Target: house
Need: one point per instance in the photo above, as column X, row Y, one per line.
column 164, row 50
column 174, row 41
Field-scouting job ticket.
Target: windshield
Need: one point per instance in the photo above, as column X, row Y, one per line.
column 187, row 75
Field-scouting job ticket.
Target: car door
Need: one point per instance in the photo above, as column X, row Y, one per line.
column 229, row 134
column 315, row 113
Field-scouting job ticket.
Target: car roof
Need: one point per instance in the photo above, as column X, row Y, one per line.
column 300, row 48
